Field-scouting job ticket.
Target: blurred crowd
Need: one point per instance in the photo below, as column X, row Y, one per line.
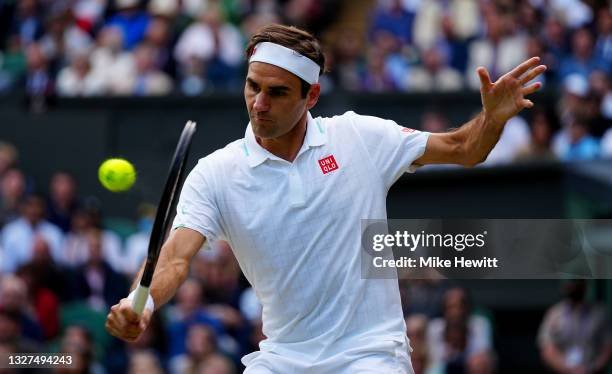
column 135, row 47
column 62, row 266
column 450, row 334
column 157, row 47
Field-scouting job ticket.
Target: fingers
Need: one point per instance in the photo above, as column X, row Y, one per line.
column 145, row 319
column 533, row 73
column 485, row 79
column 527, row 103
column 123, row 323
column 522, row 68
column 128, row 313
column 531, row 88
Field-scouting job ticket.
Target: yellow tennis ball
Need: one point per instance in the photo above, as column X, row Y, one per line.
column 117, row 174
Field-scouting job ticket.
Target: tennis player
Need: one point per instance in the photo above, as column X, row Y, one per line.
column 289, row 198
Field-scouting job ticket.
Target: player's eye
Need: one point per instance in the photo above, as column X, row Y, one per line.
column 278, row 93
column 253, row 87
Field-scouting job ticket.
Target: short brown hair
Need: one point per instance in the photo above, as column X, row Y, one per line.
column 291, row 37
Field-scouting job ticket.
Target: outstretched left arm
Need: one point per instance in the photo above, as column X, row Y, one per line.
column 502, row 100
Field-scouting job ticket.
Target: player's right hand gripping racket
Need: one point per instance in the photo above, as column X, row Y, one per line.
column 164, row 214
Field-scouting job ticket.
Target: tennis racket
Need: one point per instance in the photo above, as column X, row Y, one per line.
column 164, row 214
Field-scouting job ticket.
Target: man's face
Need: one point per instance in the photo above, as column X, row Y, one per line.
column 274, row 100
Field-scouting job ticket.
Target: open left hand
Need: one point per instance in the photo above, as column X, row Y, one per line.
column 503, row 99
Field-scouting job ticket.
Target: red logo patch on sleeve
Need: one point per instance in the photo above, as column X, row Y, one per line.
column 328, row 164
column 408, row 129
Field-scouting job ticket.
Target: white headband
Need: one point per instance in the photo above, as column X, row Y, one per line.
column 288, row 59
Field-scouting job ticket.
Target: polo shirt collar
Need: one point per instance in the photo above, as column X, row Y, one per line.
column 256, row 154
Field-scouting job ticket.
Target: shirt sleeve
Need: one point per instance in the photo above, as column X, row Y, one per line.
column 392, row 148
column 197, row 208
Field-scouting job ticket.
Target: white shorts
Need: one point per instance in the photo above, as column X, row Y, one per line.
column 396, row 361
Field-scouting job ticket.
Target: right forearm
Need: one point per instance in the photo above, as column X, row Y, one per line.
column 170, row 273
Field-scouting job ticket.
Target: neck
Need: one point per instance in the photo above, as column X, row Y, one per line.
column 288, row 145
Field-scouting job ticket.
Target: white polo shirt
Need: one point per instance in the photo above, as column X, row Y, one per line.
column 295, row 228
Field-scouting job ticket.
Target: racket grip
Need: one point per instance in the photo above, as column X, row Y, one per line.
column 141, row 295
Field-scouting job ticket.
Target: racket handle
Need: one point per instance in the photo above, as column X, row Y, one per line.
column 141, row 295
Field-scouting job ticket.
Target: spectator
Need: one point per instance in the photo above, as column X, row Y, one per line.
column 18, row 237
column 12, row 193
column 14, row 299
column 529, row 17
column 216, row 364
column 131, row 20
column 434, row 74
column 8, row 157
column 78, row 342
column 481, row 363
column 603, row 46
column 572, row 103
column 201, row 346
column 96, row 281
column 216, row 43
column 416, row 327
column 76, row 248
column 575, row 335
column 43, row 300
column 468, row 333
column 192, row 77
column 391, row 17
column 144, row 362
column 109, row 61
column 535, row 47
column 265, row 14
column 515, row 137
column 582, row 145
column 137, row 244
column 88, row 13
column 46, row 272
column 455, row 346
column 148, row 80
column 583, row 60
column 79, row 79
column 166, row 9
column 542, row 127
column 448, row 25
column 158, row 37
column 575, row 13
column 64, row 39
column 555, row 42
column 424, row 295
column 220, row 275
column 27, row 24
column 346, row 60
column 601, row 90
column 62, row 200
column 12, row 64
column 11, row 333
column 188, row 311
column 499, row 51
column 377, row 78
column 39, row 81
